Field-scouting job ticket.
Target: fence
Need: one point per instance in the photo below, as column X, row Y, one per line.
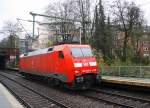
column 126, row 71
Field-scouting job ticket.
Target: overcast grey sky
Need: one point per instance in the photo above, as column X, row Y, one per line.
column 12, row 9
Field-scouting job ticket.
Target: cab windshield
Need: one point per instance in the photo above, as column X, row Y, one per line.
column 81, row 52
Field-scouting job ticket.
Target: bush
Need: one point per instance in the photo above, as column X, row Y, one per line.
column 146, row 61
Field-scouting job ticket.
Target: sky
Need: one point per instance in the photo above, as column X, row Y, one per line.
column 145, row 6
column 12, row 9
column 20, row 8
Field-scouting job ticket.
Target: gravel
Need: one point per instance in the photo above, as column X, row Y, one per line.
column 68, row 97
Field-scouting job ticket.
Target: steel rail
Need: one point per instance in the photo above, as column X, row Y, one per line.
column 42, row 95
column 111, row 101
column 122, row 95
column 106, row 101
column 18, row 97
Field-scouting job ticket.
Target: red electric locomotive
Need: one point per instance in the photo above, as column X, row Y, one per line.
column 73, row 65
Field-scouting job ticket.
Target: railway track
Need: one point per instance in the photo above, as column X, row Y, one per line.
column 29, row 97
column 114, row 99
column 117, row 99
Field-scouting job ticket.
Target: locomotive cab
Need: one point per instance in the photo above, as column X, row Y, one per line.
column 85, row 66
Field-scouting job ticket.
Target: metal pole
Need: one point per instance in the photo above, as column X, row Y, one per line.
column 26, row 46
column 119, row 70
column 141, row 72
column 33, row 24
column 54, row 17
column 80, row 35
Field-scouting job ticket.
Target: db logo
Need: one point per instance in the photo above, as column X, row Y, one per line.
column 85, row 64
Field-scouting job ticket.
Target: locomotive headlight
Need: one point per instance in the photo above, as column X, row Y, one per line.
column 92, row 63
column 94, row 70
column 77, row 73
column 77, row 64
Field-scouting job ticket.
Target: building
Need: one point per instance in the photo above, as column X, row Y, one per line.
column 8, row 57
column 43, row 39
column 119, row 39
column 23, row 46
column 51, row 33
column 144, row 44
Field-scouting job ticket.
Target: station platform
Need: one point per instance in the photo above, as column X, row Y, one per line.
column 143, row 82
column 14, row 69
column 7, row 100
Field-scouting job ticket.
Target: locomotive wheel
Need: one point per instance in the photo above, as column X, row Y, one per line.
column 56, row 82
column 50, row 81
column 86, row 85
column 53, row 82
column 27, row 76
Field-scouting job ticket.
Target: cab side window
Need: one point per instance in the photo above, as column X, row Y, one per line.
column 60, row 55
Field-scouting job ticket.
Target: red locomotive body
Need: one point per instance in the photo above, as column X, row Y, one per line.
column 73, row 65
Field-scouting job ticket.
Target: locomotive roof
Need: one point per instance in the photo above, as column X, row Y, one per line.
column 76, row 45
column 49, row 49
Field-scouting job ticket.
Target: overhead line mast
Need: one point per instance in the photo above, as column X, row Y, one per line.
column 48, row 16
column 55, row 17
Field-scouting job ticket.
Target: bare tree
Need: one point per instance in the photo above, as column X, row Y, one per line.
column 127, row 16
column 63, row 10
column 78, row 11
column 12, row 30
column 84, row 13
